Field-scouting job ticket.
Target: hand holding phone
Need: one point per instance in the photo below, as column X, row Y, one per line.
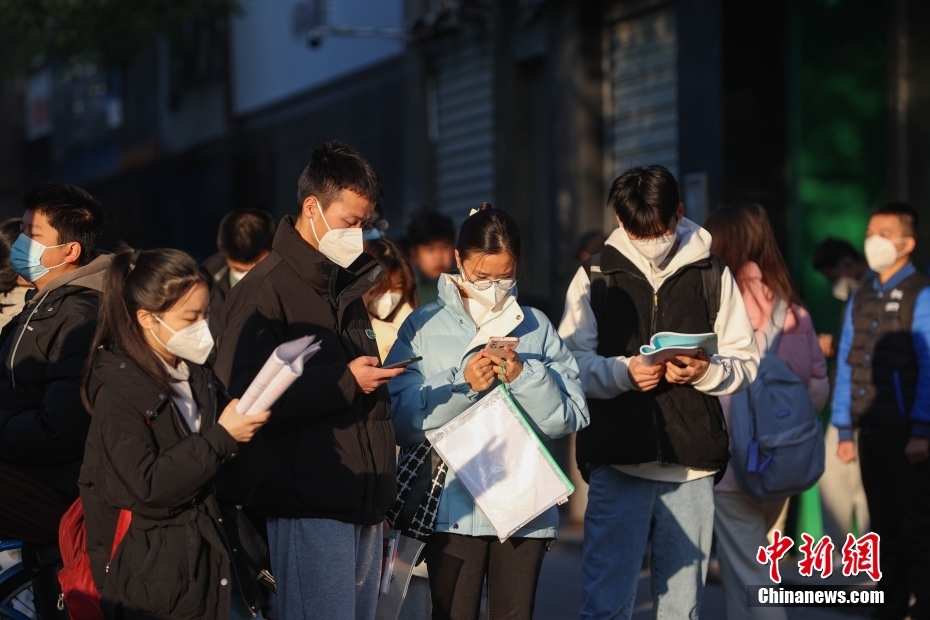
column 497, row 345
column 506, row 363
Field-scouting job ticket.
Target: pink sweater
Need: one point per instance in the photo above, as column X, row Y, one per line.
column 798, row 348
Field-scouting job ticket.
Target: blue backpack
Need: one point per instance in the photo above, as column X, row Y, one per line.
column 777, row 438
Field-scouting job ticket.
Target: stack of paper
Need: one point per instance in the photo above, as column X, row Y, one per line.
column 496, row 454
column 666, row 345
column 284, row 365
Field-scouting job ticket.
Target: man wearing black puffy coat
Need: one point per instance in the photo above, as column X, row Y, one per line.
column 331, row 471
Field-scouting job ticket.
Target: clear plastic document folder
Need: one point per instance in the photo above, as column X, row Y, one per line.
column 496, row 454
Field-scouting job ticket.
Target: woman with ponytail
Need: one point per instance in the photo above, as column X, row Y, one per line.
column 161, row 445
column 462, row 549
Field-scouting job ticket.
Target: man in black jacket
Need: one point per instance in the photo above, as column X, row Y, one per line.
column 331, row 471
column 43, row 424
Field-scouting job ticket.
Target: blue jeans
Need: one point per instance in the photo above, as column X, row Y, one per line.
column 623, row 513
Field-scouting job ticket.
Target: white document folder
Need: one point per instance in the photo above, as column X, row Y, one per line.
column 501, row 461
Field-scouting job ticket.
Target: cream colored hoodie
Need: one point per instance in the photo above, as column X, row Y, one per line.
column 732, row 369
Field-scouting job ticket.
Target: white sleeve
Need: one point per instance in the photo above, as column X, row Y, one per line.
column 601, row 377
column 737, row 362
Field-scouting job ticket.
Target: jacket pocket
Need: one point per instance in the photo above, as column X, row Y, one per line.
column 150, row 572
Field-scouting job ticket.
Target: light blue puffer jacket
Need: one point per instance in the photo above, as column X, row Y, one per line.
column 433, row 391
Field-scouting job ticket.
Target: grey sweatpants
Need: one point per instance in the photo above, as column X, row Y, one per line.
column 325, row 568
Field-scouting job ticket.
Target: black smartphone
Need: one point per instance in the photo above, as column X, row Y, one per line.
column 401, row 363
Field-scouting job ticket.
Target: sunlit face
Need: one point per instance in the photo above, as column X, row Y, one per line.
column 348, row 210
column 487, row 267
column 35, row 226
column 191, row 308
column 433, row 259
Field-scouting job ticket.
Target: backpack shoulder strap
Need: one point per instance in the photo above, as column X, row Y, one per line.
column 598, row 288
column 712, row 276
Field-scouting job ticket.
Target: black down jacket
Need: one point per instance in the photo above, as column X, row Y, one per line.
column 330, row 447
column 43, row 424
column 175, row 561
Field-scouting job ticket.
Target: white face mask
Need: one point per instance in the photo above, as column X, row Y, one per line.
column 340, row 245
column 655, row 250
column 844, row 287
column 490, row 298
column 192, row 343
column 881, row 253
column 383, row 306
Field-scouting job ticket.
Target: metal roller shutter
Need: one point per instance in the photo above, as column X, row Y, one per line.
column 464, row 128
column 644, row 91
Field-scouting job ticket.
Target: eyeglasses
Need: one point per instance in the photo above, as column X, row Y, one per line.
column 505, row 284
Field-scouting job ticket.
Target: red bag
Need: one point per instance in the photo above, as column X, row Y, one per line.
column 79, row 593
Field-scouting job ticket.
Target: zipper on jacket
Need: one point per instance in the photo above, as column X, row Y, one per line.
column 20, row 339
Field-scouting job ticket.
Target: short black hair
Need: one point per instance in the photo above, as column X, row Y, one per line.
column 246, row 235
column 831, row 252
column 333, row 167
column 645, row 200
column 70, row 210
column 428, row 226
column 489, row 231
column 905, row 212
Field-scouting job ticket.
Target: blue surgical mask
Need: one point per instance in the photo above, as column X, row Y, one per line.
column 26, row 258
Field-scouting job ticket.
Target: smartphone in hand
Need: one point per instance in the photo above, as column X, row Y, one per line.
column 498, row 345
column 402, row 363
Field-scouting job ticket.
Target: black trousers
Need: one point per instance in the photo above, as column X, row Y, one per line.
column 899, row 505
column 459, row 564
column 30, row 508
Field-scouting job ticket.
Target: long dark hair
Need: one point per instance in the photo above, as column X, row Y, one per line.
column 741, row 234
column 390, row 256
column 154, row 280
column 9, row 232
column 489, row 231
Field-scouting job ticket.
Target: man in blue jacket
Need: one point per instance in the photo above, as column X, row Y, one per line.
column 883, row 390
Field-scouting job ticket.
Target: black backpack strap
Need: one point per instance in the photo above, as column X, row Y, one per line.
column 712, row 276
column 598, row 288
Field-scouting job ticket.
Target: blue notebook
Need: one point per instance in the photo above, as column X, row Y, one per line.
column 666, row 345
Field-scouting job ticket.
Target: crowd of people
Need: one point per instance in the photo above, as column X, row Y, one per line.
column 122, row 373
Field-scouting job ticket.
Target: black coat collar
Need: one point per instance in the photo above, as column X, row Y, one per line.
column 121, row 374
column 340, row 286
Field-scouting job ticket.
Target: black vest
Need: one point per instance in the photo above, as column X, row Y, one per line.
column 671, row 423
column 882, row 357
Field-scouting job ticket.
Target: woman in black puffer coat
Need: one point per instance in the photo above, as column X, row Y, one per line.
column 157, row 449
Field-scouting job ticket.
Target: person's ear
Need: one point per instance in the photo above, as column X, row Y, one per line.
column 458, row 261
column 910, row 244
column 681, row 211
column 74, row 252
column 309, row 206
column 146, row 319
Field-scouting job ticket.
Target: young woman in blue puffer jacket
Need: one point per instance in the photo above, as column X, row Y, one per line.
column 473, row 306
